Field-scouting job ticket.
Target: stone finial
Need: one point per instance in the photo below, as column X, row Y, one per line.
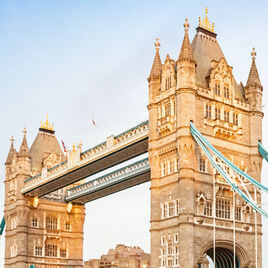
column 11, row 151
column 24, row 131
column 186, row 52
column 253, row 53
column 186, row 25
column 157, row 64
column 157, row 44
column 253, row 77
column 24, row 150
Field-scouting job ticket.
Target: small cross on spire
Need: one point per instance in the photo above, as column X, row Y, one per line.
column 157, row 44
column 253, row 53
column 186, row 25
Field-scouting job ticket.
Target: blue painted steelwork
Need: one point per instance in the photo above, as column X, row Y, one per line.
column 263, row 152
column 211, row 153
column 2, row 226
column 117, row 176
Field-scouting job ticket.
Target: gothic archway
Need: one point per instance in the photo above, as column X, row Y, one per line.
column 224, row 258
column 224, row 255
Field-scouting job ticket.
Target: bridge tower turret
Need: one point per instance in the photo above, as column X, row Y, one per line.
column 45, row 231
column 200, row 87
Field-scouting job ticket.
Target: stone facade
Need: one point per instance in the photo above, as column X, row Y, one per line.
column 200, row 87
column 121, row 257
column 44, row 232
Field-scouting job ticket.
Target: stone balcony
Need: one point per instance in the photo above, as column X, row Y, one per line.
column 166, row 124
column 223, row 129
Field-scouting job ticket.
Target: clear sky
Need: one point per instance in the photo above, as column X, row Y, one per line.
column 78, row 59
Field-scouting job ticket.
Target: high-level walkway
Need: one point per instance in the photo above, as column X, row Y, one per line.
column 80, row 165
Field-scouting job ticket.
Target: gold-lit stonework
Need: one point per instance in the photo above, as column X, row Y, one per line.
column 205, row 23
column 47, row 125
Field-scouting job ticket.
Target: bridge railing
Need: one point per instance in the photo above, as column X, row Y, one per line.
column 76, row 158
column 110, row 178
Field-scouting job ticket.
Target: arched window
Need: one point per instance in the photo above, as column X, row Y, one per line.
column 51, row 223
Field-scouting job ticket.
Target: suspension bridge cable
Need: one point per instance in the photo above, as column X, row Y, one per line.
column 234, row 238
column 204, row 144
column 214, row 219
column 262, row 151
column 196, row 133
column 256, row 232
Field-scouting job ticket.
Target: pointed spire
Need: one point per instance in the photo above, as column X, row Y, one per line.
column 11, row 151
column 253, row 77
column 157, row 64
column 167, row 58
column 24, row 150
column 186, row 52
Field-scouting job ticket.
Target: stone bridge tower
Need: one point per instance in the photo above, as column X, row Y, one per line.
column 44, row 232
column 199, row 86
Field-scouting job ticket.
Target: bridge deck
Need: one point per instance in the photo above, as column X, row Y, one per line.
column 126, row 177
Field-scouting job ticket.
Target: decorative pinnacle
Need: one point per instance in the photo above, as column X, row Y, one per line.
column 73, row 147
column 253, row 53
column 12, row 139
column 186, row 25
column 46, row 124
column 24, row 131
column 205, row 23
column 157, row 44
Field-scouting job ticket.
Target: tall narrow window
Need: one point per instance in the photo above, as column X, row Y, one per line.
column 226, row 116
column 238, row 213
column 208, row 209
column 38, row 251
column 235, row 119
column 217, row 88
column 63, row 253
column 208, row 111
column 226, row 91
column 167, row 109
column 202, row 164
column 170, row 249
column 171, row 209
column 171, row 166
column 67, row 226
column 168, row 82
column 217, row 113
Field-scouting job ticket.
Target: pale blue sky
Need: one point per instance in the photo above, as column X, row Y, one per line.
column 75, row 59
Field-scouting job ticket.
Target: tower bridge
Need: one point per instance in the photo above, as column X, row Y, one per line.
column 203, row 139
